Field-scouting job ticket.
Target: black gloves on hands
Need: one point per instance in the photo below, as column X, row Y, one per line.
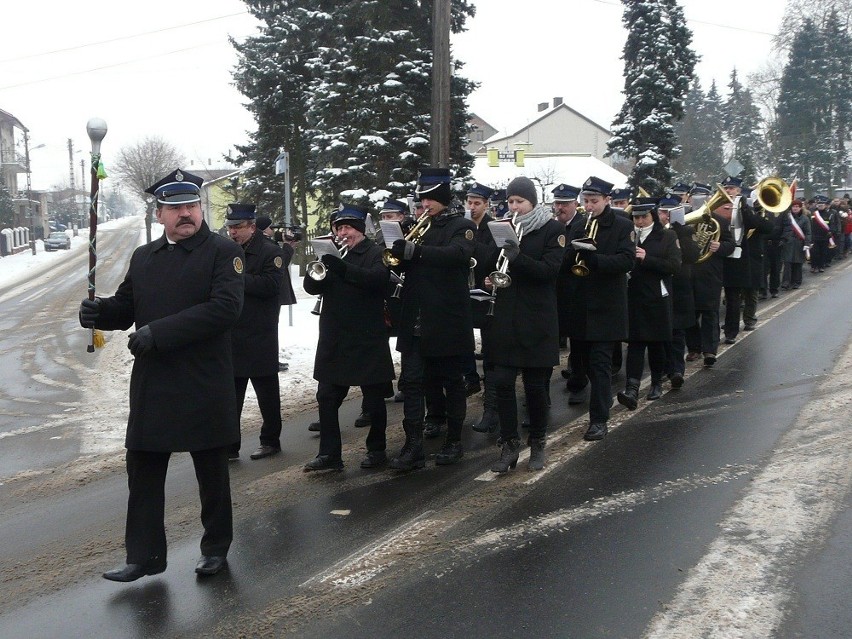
column 405, row 250
column 334, row 264
column 142, row 341
column 511, row 250
column 90, row 311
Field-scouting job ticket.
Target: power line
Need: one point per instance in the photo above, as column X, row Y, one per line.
column 122, row 38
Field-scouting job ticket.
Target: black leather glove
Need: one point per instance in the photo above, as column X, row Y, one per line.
column 334, row 264
column 142, row 341
column 511, row 250
column 405, row 250
column 90, row 311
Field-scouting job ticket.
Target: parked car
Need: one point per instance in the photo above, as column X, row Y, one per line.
column 56, row 241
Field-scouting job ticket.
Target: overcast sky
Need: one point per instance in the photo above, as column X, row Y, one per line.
column 164, row 68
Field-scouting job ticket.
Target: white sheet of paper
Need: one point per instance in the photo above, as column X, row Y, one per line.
column 677, row 215
column 663, row 289
column 502, row 230
column 580, row 245
column 323, row 246
column 736, row 254
column 479, row 295
column 391, row 232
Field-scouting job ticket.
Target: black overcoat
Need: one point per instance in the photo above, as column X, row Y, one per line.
column 794, row 248
column 564, row 282
column 190, row 294
column 353, row 341
column 254, row 340
column 436, row 297
column 746, row 271
column 288, row 295
column 598, row 310
column 707, row 276
column 524, row 331
column 649, row 306
column 485, row 253
column 683, row 302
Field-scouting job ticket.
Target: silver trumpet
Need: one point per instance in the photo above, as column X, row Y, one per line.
column 317, row 271
column 500, row 277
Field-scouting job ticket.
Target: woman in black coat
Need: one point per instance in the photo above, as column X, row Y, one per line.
column 649, row 301
column 523, row 335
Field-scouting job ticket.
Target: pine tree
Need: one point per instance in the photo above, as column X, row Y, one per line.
column 658, row 68
column 345, row 86
column 7, row 207
column 839, row 73
column 699, row 137
column 744, row 141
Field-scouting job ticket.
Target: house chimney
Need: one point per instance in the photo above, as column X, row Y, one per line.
column 542, row 106
column 557, row 102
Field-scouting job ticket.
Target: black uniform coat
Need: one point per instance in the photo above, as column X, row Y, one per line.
column 649, row 311
column 707, row 276
column 565, row 284
column 288, row 295
column 190, row 294
column 598, row 310
column 485, row 253
column 436, row 290
column 746, row 271
column 524, row 331
column 794, row 248
column 353, row 341
column 683, row 302
column 254, row 340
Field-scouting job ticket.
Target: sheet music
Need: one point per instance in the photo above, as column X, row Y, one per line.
column 479, row 295
column 391, row 232
column 324, row 246
column 583, row 244
column 663, row 289
column 502, row 230
column 677, row 215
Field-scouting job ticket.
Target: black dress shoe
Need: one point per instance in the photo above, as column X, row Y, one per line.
column 655, row 392
column 314, row 427
column 374, row 459
column 730, row 340
column 283, row 367
column 450, row 453
column 596, row 432
column 233, row 455
column 472, row 388
column 709, row 359
column 363, row 420
column 676, row 380
column 399, row 397
column 265, row 451
column 749, row 327
column 132, row 572
column 489, row 423
column 323, row 462
column 433, row 426
column 210, row 565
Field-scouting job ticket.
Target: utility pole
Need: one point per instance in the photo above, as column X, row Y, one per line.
column 440, row 135
column 29, row 191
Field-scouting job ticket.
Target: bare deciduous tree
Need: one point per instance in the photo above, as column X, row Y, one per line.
column 140, row 165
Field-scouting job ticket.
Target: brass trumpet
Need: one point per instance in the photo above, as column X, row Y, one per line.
column 414, row 235
column 579, row 267
column 500, row 278
column 317, row 271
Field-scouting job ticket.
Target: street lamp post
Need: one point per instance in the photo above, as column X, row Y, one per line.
column 29, row 189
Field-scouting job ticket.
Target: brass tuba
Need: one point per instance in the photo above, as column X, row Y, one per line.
column 706, row 228
column 414, row 235
column 774, row 195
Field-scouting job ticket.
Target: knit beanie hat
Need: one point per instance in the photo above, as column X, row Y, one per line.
column 522, row 187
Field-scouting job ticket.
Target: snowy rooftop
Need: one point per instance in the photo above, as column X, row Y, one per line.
column 548, row 170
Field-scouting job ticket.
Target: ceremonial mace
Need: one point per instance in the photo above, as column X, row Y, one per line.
column 97, row 130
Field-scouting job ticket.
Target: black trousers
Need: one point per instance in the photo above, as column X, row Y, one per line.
column 772, row 267
column 793, row 274
column 268, row 392
column 145, row 532
column 431, row 376
column 331, row 396
column 656, row 360
column 675, row 352
column 536, row 383
column 819, row 254
column 703, row 336
column 595, row 361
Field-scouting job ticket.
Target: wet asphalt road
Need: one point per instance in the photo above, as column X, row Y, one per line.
column 596, row 546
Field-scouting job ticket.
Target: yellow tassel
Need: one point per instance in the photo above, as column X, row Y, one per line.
column 98, row 339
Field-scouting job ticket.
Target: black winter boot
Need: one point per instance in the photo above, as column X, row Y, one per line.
column 490, row 422
column 655, row 392
column 536, row 453
column 630, row 397
column 411, row 456
column 508, row 455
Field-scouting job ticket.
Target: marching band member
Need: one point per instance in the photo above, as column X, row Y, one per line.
column 702, row 338
column 598, row 317
column 683, row 302
column 523, row 335
column 797, row 233
column 565, row 212
column 821, row 233
column 436, row 329
column 649, row 300
column 353, row 345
